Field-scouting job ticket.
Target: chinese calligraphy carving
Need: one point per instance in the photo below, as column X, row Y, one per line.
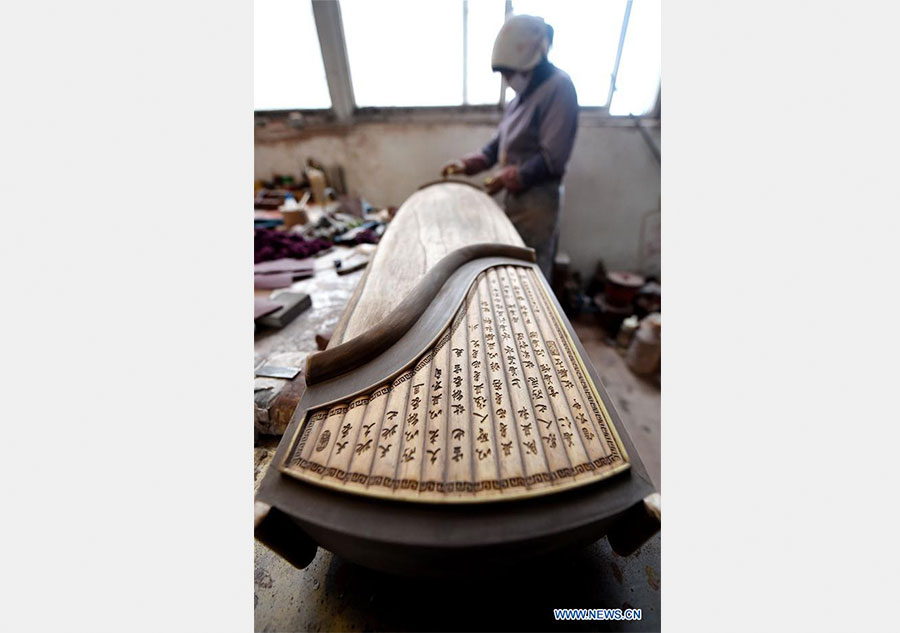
column 520, row 415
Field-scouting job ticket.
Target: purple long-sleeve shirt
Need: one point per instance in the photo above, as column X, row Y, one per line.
column 538, row 128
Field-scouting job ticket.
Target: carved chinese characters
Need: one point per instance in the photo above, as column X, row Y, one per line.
column 501, row 406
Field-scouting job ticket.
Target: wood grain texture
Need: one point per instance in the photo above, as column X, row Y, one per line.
column 432, row 223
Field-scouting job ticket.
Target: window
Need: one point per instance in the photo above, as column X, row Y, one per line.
column 637, row 83
column 415, row 53
column 585, row 40
column 288, row 72
column 485, row 17
column 404, row 52
column 408, row 53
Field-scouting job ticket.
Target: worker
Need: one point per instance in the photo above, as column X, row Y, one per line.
column 535, row 137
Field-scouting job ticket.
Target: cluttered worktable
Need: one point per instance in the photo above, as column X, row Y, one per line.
column 329, row 293
column 288, row 346
column 308, row 259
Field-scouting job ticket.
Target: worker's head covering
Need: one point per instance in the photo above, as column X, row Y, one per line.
column 521, row 44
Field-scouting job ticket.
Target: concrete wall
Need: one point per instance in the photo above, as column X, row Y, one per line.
column 611, row 208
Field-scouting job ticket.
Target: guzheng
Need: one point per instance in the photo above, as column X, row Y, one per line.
column 454, row 410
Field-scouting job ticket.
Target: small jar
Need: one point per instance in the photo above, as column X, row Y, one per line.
column 626, row 332
column 643, row 354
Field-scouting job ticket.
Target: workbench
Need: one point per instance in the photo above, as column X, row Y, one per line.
column 290, row 345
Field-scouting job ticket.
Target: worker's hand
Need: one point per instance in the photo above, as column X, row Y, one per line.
column 468, row 165
column 453, row 167
column 508, row 179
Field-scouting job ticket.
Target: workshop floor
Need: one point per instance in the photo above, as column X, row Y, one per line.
column 334, row 595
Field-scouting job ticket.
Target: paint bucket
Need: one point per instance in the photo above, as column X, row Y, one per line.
column 621, row 287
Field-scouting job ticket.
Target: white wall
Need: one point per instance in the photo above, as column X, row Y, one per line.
column 611, row 208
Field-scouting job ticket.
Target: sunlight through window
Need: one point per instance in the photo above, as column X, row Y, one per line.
column 288, row 72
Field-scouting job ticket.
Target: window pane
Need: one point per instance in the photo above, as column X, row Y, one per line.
column 585, row 39
column 404, row 52
column 485, row 20
column 287, row 61
column 638, row 82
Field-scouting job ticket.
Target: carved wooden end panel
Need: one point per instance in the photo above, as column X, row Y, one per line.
column 500, row 407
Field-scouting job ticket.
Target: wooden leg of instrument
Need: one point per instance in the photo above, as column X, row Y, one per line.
column 279, row 533
column 638, row 524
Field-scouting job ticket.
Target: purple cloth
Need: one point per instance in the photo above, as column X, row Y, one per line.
column 365, row 237
column 270, row 244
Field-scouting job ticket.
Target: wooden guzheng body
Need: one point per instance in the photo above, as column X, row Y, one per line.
column 454, row 416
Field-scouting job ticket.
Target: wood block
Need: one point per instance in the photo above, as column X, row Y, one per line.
column 291, row 304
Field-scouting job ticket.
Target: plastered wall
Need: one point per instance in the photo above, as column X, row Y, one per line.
column 612, row 187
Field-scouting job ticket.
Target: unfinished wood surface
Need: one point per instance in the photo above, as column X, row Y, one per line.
column 432, row 223
column 501, row 407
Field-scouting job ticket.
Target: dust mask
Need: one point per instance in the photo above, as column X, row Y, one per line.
column 519, row 81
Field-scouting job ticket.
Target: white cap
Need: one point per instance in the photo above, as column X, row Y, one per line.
column 521, row 43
